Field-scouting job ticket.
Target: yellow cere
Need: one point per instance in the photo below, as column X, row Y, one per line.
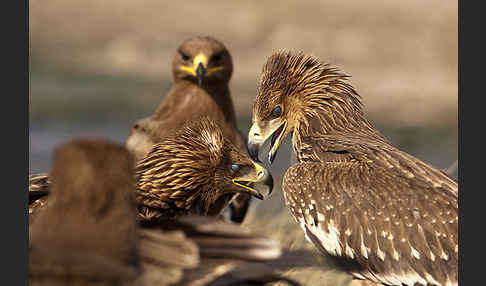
column 200, row 58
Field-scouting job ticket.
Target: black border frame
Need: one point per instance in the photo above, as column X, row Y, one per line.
column 15, row 143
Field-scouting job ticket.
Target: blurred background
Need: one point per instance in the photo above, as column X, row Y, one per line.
column 96, row 66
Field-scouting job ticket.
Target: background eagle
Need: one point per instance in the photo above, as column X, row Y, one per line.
column 201, row 71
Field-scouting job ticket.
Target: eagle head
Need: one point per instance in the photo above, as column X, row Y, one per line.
column 196, row 166
column 202, row 59
column 293, row 89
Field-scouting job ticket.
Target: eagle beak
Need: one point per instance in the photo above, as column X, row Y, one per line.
column 257, row 137
column 255, row 142
column 254, row 150
column 200, row 73
column 250, row 183
column 200, row 68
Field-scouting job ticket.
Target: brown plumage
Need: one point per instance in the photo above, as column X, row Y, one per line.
column 201, row 70
column 88, row 233
column 38, row 190
column 188, row 100
column 194, row 171
column 386, row 215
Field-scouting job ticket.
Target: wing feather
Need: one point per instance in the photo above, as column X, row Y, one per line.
column 395, row 228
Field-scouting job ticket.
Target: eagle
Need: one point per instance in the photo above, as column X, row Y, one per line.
column 201, row 70
column 89, row 234
column 385, row 215
column 195, row 171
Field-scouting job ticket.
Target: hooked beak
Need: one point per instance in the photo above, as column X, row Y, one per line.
column 200, row 73
column 254, row 149
column 250, row 184
column 257, row 137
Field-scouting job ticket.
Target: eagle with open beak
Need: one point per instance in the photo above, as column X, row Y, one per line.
column 384, row 215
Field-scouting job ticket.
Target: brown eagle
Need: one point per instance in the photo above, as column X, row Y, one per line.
column 386, row 215
column 194, row 171
column 201, row 69
column 89, row 234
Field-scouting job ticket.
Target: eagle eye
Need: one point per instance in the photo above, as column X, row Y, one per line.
column 235, row 167
column 184, row 56
column 216, row 58
column 277, row 111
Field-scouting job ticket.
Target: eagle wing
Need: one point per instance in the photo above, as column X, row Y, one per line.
column 390, row 227
column 325, row 148
column 38, row 186
column 38, row 192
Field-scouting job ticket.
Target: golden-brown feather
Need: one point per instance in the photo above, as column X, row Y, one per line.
column 188, row 171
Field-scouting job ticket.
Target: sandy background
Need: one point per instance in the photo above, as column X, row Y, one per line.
column 402, row 55
column 96, row 66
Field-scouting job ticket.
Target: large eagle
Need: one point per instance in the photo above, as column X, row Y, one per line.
column 89, row 234
column 386, row 215
column 201, row 69
column 193, row 171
